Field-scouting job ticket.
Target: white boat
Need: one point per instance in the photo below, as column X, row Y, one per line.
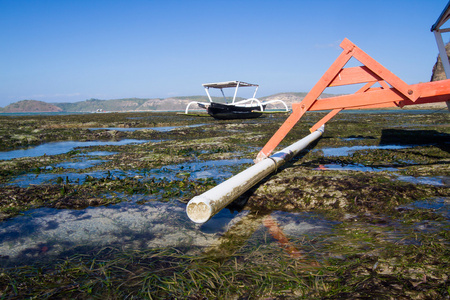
column 243, row 109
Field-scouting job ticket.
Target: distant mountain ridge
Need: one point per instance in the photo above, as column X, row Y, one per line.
column 31, row 106
column 128, row 104
column 158, row 104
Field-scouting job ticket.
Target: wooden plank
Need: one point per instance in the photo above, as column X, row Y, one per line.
column 354, row 75
column 356, row 100
column 398, row 94
column 385, row 74
column 437, row 91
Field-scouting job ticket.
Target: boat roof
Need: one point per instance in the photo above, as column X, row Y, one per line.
column 227, row 84
column 445, row 15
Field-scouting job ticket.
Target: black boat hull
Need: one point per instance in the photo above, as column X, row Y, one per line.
column 228, row 112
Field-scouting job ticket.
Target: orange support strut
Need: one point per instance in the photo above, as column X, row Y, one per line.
column 393, row 92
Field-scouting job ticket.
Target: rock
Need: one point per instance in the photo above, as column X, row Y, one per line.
column 438, row 69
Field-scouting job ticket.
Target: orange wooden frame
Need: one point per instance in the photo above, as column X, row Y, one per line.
column 393, row 92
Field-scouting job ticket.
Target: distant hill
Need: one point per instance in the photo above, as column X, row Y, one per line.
column 130, row 104
column 92, row 105
column 31, row 106
column 135, row 104
column 167, row 104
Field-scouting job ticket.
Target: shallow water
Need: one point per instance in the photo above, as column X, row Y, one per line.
column 142, row 222
column 215, row 169
column 354, row 167
column 49, row 178
column 83, row 164
column 154, row 224
column 436, row 181
column 47, row 232
column 99, row 153
column 344, row 151
column 439, row 206
column 218, row 170
column 160, row 129
column 62, row 147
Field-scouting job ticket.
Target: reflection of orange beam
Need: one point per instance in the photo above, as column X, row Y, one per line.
column 277, row 233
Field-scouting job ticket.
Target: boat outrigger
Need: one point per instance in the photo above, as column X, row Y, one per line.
column 243, row 109
column 391, row 92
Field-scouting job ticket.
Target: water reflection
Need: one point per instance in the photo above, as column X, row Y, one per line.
column 354, row 167
column 62, row 147
column 436, row 181
column 49, row 178
column 439, row 206
column 131, row 225
column 344, row 151
column 99, row 153
column 159, row 129
column 218, row 170
column 47, row 232
column 84, row 164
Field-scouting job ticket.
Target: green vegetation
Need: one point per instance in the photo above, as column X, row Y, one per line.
column 380, row 246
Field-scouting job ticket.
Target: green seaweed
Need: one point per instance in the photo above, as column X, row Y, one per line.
column 377, row 249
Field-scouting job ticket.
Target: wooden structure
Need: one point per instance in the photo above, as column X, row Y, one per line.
column 390, row 91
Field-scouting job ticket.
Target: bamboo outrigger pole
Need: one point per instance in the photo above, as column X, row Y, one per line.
column 201, row 208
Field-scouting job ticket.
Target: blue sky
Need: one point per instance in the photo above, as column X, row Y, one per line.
column 73, row 50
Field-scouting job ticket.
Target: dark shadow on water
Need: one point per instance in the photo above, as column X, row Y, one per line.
column 219, row 220
column 80, row 214
column 416, row 137
column 27, row 227
column 51, row 225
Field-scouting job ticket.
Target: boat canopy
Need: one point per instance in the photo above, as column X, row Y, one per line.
column 227, row 84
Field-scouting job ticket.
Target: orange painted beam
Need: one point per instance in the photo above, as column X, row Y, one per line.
column 355, row 100
column 325, row 119
column 366, row 87
column 393, row 92
column 299, row 109
column 354, row 75
column 428, row 91
column 381, row 71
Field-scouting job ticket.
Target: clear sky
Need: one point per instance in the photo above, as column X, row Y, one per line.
column 73, row 50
